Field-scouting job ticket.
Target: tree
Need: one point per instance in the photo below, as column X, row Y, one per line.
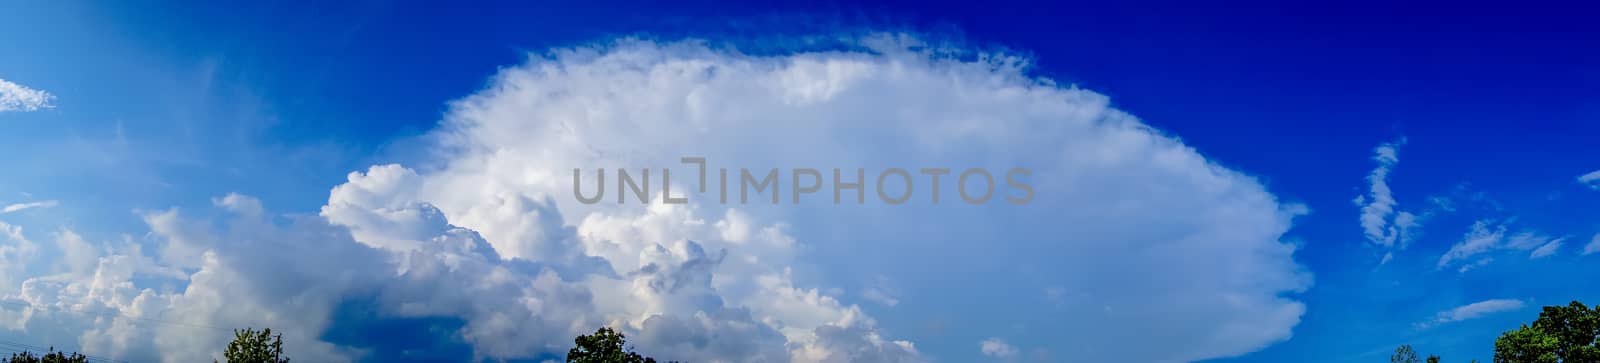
column 604, row 346
column 1404, row 354
column 251, row 346
column 1561, row 334
column 52, row 356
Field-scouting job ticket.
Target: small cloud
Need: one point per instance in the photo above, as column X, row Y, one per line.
column 21, row 206
column 1056, row 294
column 1593, row 246
column 13, row 233
column 1443, row 203
column 239, row 203
column 880, row 297
column 1592, row 179
column 881, row 291
column 1547, row 249
column 994, row 347
column 1482, row 237
column 1527, row 240
column 1381, row 221
column 16, row 97
column 1476, row 264
column 1488, row 236
column 1472, row 311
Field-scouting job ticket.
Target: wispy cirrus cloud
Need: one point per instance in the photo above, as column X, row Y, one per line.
column 1471, row 311
column 1548, row 249
column 16, row 97
column 1381, row 220
column 1487, row 236
column 16, row 207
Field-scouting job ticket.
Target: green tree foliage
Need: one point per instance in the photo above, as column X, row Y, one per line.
column 604, row 346
column 50, row 357
column 1404, row 354
column 251, row 346
column 1561, row 334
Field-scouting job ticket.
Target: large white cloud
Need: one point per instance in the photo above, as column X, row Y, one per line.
column 1120, row 196
column 1151, row 239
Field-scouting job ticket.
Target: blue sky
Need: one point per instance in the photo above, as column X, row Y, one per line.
column 158, row 113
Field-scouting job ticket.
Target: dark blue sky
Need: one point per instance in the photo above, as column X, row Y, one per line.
column 1302, row 81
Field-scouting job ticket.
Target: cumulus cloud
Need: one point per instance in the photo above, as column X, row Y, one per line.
column 16, row 97
column 15, row 252
column 996, row 348
column 635, row 104
column 1472, row 311
column 1592, row 179
column 1381, row 221
column 485, row 232
column 253, row 273
column 16, row 207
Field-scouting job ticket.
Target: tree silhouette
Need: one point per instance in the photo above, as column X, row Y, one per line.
column 1561, row 334
column 251, row 346
column 52, row 356
column 1404, row 354
column 604, row 346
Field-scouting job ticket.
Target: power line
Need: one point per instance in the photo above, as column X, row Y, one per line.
column 19, row 347
column 103, row 310
column 15, row 347
column 109, row 311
